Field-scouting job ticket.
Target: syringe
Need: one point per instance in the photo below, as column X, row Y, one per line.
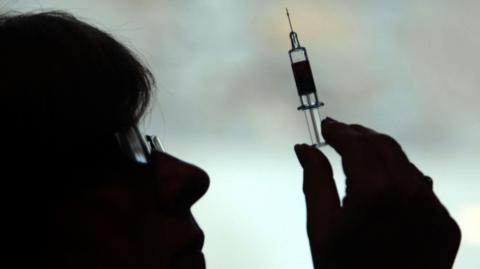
column 306, row 88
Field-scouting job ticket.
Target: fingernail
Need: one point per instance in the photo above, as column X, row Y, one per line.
column 296, row 147
column 299, row 153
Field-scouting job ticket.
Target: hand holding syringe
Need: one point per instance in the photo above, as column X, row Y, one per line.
column 306, row 87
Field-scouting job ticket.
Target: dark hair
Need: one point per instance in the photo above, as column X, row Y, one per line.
column 66, row 85
column 66, row 88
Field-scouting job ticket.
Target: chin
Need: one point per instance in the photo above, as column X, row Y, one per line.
column 190, row 260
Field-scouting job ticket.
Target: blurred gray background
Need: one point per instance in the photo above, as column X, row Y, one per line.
column 227, row 101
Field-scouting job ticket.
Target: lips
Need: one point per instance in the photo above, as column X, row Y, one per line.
column 195, row 244
column 190, row 256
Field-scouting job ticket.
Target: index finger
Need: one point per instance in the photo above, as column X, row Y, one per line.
column 341, row 136
column 362, row 166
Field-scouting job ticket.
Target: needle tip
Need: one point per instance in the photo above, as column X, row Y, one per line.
column 289, row 22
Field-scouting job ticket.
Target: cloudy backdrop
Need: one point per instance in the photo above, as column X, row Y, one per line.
column 227, row 101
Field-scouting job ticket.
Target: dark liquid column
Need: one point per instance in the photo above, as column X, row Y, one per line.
column 303, row 77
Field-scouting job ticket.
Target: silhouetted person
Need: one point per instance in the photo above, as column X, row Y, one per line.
column 74, row 200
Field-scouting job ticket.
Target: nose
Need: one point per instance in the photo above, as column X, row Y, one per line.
column 179, row 184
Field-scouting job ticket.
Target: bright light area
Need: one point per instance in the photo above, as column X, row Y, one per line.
column 469, row 219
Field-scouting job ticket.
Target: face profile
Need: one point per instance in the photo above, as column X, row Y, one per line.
column 77, row 87
column 142, row 219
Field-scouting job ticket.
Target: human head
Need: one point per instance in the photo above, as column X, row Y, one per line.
column 66, row 89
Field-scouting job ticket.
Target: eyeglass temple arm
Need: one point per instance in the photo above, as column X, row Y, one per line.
column 154, row 143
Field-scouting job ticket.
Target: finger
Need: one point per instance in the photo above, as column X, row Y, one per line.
column 384, row 144
column 321, row 195
column 361, row 165
column 402, row 174
column 340, row 136
column 318, row 176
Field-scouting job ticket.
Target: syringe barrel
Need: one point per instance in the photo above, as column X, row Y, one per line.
column 307, row 92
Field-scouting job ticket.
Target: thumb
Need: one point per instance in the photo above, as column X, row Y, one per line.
column 321, row 196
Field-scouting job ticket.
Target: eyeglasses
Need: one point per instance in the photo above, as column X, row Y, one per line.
column 137, row 146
